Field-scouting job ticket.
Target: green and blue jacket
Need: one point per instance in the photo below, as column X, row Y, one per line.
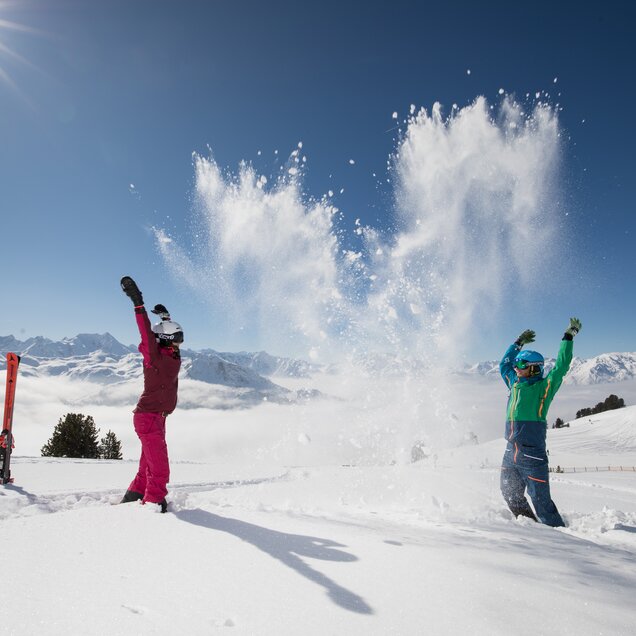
column 530, row 398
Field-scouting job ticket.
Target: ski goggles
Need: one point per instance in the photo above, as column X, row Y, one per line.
column 524, row 364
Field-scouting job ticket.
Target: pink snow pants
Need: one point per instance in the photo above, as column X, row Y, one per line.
column 154, row 469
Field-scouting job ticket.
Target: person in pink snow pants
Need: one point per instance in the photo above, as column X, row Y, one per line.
column 161, row 359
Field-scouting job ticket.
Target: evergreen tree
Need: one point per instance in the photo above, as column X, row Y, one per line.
column 559, row 423
column 110, row 447
column 609, row 404
column 613, row 402
column 75, row 435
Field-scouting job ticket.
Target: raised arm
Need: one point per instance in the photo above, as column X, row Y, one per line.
column 147, row 346
column 564, row 358
column 506, row 366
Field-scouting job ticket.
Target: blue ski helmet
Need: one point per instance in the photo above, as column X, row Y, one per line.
column 532, row 359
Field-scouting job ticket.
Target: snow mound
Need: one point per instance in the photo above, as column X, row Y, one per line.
column 603, row 434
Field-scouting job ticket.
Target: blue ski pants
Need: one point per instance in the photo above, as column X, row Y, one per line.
column 524, row 469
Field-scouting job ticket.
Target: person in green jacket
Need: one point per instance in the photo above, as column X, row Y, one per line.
column 525, row 461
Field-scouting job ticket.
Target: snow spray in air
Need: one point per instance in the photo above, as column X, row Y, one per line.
column 472, row 193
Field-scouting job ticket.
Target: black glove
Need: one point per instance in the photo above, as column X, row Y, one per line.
column 132, row 291
column 525, row 338
column 161, row 311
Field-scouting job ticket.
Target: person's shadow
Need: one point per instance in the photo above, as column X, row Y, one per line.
column 30, row 497
column 288, row 549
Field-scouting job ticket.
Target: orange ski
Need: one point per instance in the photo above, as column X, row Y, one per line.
column 6, row 436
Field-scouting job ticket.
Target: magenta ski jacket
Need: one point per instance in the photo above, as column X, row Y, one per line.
column 161, row 370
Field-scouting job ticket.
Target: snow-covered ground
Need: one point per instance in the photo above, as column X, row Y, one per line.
column 256, row 547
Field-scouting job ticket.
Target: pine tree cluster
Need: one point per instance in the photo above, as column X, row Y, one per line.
column 609, row 404
column 76, row 435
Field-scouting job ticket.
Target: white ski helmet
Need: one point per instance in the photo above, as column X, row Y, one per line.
column 168, row 331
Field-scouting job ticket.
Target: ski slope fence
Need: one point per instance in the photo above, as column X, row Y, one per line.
column 592, row 469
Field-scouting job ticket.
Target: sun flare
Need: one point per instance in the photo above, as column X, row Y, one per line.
column 10, row 31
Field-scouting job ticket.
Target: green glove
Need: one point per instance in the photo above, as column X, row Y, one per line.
column 574, row 328
column 525, row 338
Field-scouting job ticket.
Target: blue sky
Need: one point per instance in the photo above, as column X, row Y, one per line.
column 95, row 96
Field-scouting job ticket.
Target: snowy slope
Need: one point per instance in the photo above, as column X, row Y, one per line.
column 265, row 364
column 259, row 548
column 598, row 438
column 215, row 370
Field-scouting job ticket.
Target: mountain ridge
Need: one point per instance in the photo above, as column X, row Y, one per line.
column 102, row 358
column 601, row 369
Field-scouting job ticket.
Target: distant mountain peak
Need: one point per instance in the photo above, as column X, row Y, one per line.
column 82, row 344
column 103, row 359
column 245, row 369
column 600, row 369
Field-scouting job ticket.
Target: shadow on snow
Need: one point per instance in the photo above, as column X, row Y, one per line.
column 288, row 549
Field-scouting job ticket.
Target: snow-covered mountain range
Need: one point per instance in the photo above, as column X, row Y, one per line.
column 601, row 369
column 82, row 344
column 101, row 358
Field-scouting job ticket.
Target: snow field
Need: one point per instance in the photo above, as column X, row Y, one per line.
column 323, row 549
column 300, row 519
